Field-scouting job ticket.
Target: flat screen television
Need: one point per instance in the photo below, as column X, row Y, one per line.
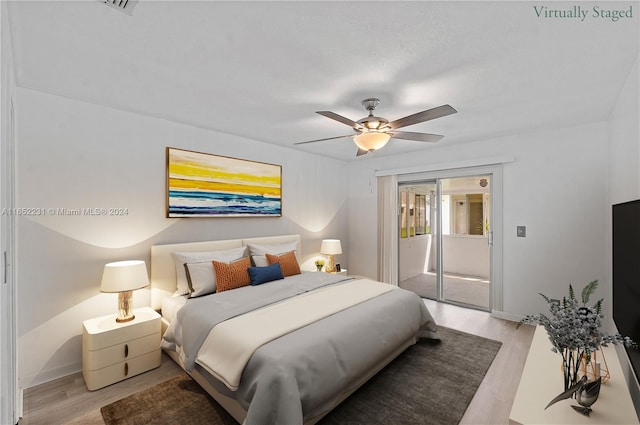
column 626, row 275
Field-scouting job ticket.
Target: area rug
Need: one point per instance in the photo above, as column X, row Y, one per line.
column 432, row 383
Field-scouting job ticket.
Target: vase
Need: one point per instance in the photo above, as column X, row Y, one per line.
column 319, row 268
column 571, row 362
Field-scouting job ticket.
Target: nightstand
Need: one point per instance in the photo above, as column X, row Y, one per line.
column 114, row 351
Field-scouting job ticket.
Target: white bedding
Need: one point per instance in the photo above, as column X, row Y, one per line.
column 304, row 373
column 231, row 343
column 171, row 305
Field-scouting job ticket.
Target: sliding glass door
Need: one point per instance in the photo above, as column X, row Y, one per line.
column 445, row 239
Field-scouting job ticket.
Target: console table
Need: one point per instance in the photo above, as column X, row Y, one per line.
column 542, row 381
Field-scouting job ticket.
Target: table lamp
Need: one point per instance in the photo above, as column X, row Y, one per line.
column 330, row 247
column 124, row 277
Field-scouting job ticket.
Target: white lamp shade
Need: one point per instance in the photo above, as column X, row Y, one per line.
column 371, row 140
column 124, row 276
column 330, row 247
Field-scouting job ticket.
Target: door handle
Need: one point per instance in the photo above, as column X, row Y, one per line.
column 490, row 238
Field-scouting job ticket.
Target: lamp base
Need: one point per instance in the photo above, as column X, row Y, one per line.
column 331, row 264
column 125, row 307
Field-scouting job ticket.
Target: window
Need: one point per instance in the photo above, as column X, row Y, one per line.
column 468, row 212
column 422, row 210
column 415, row 213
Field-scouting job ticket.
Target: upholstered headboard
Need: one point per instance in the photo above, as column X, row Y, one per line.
column 163, row 271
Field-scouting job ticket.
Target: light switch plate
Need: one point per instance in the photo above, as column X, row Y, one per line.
column 521, row 231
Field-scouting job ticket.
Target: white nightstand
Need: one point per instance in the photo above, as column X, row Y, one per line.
column 114, row 351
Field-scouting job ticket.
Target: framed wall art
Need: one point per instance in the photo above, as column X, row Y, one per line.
column 206, row 185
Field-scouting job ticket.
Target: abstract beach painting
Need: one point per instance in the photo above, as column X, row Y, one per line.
column 205, row 185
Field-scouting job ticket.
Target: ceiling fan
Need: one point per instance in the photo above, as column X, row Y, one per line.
column 372, row 133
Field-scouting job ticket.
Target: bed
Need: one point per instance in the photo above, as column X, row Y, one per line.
column 280, row 351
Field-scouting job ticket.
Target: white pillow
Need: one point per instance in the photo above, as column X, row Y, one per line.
column 201, row 278
column 182, row 258
column 258, row 252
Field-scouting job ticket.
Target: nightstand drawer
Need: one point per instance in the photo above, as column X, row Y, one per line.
column 97, row 359
column 103, row 333
column 108, row 375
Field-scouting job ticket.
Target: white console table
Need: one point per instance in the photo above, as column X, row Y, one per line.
column 542, row 381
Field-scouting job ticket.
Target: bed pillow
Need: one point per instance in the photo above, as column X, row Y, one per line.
column 182, row 258
column 258, row 251
column 201, row 279
column 288, row 262
column 260, row 275
column 232, row 275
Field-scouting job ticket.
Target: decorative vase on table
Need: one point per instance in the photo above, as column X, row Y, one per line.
column 574, row 332
column 571, row 361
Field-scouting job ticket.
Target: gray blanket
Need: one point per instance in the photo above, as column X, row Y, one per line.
column 302, row 374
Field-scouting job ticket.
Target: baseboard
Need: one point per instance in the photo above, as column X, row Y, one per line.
column 506, row 316
column 26, row 382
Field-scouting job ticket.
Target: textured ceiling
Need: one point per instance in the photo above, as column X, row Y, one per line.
column 261, row 69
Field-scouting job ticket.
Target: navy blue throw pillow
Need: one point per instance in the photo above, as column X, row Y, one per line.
column 260, row 275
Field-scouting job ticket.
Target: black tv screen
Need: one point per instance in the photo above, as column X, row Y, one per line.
column 626, row 274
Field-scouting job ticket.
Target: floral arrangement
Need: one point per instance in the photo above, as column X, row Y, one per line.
column 574, row 330
column 319, row 263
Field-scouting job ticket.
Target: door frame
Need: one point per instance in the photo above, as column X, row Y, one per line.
column 10, row 405
column 495, row 170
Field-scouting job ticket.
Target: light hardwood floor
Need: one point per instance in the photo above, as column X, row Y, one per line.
column 67, row 400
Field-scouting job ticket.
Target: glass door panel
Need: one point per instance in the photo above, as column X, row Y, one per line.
column 417, row 259
column 466, row 252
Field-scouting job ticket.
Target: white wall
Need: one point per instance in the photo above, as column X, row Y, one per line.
column 624, row 145
column 556, row 187
column 77, row 155
column 464, row 254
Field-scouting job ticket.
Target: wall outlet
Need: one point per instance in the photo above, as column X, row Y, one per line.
column 521, row 231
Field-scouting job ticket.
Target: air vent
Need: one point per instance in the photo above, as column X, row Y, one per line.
column 125, row 6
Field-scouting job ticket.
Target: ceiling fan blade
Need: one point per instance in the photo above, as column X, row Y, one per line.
column 429, row 114
column 322, row 140
column 361, row 152
column 339, row 118
column 418, row 137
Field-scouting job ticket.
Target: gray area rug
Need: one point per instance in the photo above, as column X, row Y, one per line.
column 432, row 383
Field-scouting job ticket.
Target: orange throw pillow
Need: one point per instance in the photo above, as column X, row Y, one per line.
column 232, row 275
column 288, row 263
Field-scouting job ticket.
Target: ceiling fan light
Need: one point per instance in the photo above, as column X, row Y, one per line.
column 371, row 140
